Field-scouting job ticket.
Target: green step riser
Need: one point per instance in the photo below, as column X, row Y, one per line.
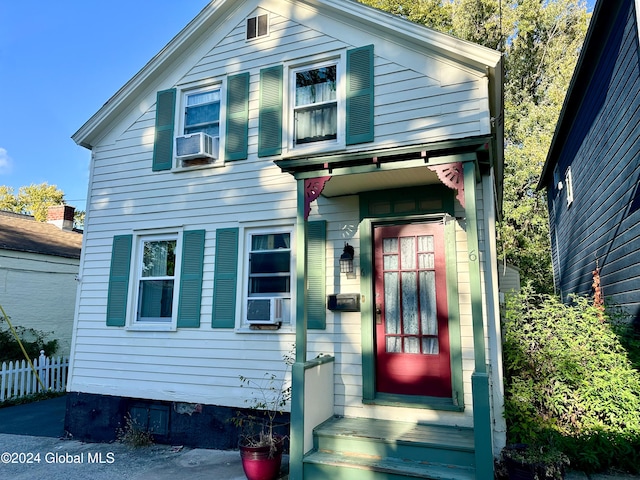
column 324, row 472
column 380, row 448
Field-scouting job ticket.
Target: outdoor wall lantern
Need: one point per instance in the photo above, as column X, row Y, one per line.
column 346, row 259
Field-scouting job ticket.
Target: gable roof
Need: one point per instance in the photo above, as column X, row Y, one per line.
column 216, row 15
column 22, row 233
column 600, row 29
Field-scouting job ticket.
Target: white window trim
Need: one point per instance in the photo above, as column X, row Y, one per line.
column 242, row 326
column 181, row 104
column 339, row 143
column 568, row 180
column 134, row 280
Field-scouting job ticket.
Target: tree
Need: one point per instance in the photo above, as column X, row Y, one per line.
column 478, row 21
column 546, row 39
column 432, row 13
column 541, row 42
column 31, row 200
column 8, row 201
column 78, row 219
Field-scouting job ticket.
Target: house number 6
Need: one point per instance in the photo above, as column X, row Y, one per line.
column 472, row 256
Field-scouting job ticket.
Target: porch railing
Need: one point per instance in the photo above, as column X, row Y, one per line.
column 17, row 379
column 318, row 395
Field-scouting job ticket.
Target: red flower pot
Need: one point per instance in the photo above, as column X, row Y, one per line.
column 259, row 463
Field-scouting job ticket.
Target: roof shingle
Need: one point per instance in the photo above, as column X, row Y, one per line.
column 23, row 233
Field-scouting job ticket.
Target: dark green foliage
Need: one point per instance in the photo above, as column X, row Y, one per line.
column 32, row 340
column 544, row 462
column 628, row 330
column 569, row 381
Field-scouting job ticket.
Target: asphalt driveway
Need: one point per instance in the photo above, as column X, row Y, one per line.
column 43, row 419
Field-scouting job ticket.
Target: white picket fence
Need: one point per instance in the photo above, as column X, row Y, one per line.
column 17, row 379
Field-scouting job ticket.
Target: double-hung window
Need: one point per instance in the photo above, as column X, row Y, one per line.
column 321, row 106
column 200, row 139
column 200, row 125
column 315, row 110
column 156, row 275
column 155, row 280
column 254, row 276
column 270, row 264
column 202, row 112
column 269, row 277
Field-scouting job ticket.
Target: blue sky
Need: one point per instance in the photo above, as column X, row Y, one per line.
column 60, row 61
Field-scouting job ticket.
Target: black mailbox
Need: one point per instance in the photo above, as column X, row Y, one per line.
column 344, row 302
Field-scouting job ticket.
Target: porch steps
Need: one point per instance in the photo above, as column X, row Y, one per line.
column 367, row 449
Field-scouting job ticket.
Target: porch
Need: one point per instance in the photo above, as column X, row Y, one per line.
column 375, row 447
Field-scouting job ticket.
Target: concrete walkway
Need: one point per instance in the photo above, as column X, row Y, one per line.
column 24, row 457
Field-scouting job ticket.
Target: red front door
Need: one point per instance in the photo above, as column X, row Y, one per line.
column 412, row 334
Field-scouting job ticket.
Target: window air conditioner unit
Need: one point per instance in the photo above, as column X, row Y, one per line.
column 264, row 311
column 197, row 145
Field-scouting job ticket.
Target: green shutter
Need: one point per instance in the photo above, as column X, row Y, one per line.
column 316, row 274
column 119, row 280
column 225, row 278
column 360, row 95
column 191, row 279
column 165, row 117
column 270, row 118
column 237, row 130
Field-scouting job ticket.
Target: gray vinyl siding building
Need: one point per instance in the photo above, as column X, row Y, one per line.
column 592, row 171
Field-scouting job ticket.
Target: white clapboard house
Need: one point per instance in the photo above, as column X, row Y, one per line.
column 308, row 172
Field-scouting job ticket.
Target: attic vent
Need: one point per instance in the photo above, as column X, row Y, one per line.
column 257, row 26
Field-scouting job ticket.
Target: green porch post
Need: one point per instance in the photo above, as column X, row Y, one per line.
column 480, row 378
column 296, row 449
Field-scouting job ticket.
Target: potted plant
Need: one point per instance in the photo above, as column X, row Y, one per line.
column 260, row 445
column 534, row 462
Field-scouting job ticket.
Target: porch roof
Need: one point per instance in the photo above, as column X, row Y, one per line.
column 385, row 168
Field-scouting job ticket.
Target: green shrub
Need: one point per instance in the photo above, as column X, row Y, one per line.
column 32, row 340
column 569, row 380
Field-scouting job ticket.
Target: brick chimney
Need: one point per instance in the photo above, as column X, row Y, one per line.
column 61, row 216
